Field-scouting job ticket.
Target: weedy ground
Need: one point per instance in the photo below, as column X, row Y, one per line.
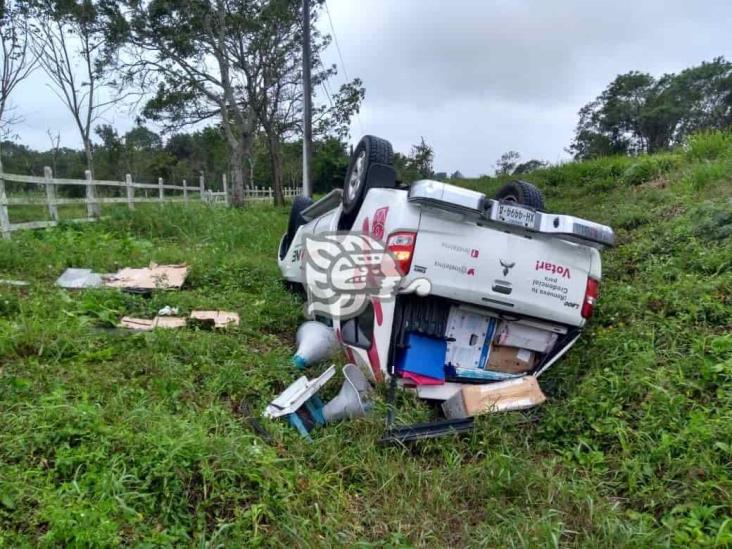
column 112, row 438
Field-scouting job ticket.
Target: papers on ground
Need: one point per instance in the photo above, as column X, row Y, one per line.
column 212, row 319
column 154, row 277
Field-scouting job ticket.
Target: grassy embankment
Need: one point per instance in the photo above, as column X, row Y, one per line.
column 110, row 438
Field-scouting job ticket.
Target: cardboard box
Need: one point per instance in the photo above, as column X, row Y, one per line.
column 469, row 336
column 473, row 400
column 511, row 360
column 513, row 334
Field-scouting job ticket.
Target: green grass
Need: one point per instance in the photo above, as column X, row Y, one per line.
column 109, row 438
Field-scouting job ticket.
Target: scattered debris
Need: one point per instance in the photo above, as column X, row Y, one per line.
column 419, row 431
column 75, row 279
column 515, row 394
column 423, row 360
column 154, row 277
column 215, row 319
column 438, row 392
column 212, row 319
column 168, row 311
column 304, row 409
column 301, row 394
column 316, row 342
column 17, row 283
column 351, row 401
column 145, row 325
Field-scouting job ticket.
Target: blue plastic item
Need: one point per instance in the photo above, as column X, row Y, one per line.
column 424, row 356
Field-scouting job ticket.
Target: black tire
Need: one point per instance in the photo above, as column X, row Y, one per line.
column 521, row 192
column 295, row 222
column 369, row 152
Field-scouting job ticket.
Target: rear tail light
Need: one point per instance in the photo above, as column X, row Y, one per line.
column 401, row 246
column 591, row 294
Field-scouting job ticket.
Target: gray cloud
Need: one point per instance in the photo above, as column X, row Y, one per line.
column 477, row 78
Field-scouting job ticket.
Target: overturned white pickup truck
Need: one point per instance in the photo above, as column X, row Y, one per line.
column 433, row 283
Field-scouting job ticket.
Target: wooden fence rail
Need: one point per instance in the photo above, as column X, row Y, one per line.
column 94, row 201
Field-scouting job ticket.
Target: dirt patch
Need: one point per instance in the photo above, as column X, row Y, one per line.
column 674, row 211
column 658, row 183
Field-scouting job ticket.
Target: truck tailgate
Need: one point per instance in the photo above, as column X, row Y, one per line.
column 534, row 275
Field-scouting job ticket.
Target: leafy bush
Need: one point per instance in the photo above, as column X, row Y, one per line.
column 709, row 145
column 700, row 176
column 648, row 168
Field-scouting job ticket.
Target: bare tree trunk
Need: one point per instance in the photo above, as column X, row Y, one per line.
column 275, row 157
column 239, row 153
column 89, row 156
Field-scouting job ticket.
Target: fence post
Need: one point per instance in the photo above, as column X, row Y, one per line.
column 201, row 187
column 50, row 193
column 130, row 192
column 185, row 191
column 270, row 193
column 226, row 189
column 4, row 218
column 161, row 190
column 93, row 208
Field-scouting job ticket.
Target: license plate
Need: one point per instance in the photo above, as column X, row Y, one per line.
column 516, row 215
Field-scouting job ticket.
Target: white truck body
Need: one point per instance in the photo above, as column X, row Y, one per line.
column 535, row 271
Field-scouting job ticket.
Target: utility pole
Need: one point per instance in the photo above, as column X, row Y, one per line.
column 307, row 123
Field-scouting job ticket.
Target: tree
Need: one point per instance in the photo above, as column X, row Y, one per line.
column 16, row 62
column 330, row 163
column 199, row 55
column 506, row 164
column 70, row 42
column 638, row 113
column 278, row 101
column 529, row 166
column 421, row 159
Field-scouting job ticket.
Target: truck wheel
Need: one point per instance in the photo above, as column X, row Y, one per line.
column 370, row 152
column 295, row 222
column 521, row 192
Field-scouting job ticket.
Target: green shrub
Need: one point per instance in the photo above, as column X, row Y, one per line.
column 709, row 145
column 699, row 176
column 648, row 168
column 713, row 221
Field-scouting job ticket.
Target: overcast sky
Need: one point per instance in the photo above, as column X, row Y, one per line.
column 478, row 78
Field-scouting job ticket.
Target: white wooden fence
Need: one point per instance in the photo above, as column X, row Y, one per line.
column 253, row 194
column 94, row 202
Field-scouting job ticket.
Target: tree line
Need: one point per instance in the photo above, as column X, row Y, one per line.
column 234, row 65
column 145, row 155
column 222, row 79
column 638, row 113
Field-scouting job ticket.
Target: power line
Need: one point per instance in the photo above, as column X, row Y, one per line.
column 335, row 39
column 340, row 57
column 327, row 93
